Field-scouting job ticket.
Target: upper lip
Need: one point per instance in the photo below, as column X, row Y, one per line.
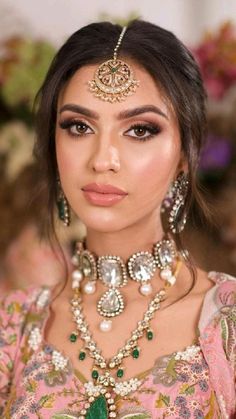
column 105, row 189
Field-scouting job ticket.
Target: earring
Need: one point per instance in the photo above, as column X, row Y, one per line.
column 174, row 202
column 62, row 205
column 85, row 264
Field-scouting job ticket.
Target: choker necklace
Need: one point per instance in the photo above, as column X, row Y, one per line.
column 113, row 272
column 106, row 373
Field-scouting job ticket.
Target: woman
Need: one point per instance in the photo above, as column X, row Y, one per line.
column 121, row 121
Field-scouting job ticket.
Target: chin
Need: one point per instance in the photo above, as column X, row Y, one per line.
column 103, row 223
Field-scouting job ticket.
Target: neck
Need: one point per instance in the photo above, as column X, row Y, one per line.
column 124, row 242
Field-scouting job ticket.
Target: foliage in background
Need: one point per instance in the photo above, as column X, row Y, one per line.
column 23, row 66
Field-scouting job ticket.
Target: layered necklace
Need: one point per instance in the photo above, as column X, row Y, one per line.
column 106, row 374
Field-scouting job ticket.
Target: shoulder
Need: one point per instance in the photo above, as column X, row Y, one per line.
column 16, row 310
column 220, row 296
column 218, row 317
column 15, row 304
column 15, row 307
column 217, row 338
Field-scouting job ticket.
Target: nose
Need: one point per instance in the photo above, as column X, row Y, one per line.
column 105, row 156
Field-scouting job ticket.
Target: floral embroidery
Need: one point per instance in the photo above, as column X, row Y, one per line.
column 36, row 380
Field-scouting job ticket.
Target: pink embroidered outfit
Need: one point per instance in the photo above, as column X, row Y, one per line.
column 198, row 382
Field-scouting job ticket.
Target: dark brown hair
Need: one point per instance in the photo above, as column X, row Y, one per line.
column 161, row 54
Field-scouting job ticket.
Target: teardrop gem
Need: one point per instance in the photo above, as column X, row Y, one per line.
column 98, row 409
column 111, row 303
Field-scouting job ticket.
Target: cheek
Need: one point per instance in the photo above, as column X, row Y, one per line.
column 154, row 171
column 68, row 159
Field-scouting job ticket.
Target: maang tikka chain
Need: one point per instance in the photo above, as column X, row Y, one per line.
column 114, row 80
column 174, row 203
column 114, row 274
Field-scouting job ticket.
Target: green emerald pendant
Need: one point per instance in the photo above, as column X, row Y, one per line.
column 98, row 409
column 149, row 334
column 82, row 355
column 120, row 373
column 135, row 353
column 73, row 337
column 95, row 374
column 61, row 209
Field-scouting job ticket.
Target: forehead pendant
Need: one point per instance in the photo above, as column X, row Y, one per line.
column 113, row 80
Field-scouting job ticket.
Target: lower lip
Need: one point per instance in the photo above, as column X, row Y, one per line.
column 101, row 199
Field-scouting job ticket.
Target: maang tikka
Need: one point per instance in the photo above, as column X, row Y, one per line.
column 114, row 80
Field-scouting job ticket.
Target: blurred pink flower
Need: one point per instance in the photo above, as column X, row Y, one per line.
column 217, row 59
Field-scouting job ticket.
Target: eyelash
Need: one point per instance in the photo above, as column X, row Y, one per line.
column 151, row 128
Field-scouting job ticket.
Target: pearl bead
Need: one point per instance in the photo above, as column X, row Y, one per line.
column 171, row 280
column 105, row 326
column 77, row 275
column 166, row 274
column 90, row 288
column 75, row 283
column 145, row 289
column 74, row 260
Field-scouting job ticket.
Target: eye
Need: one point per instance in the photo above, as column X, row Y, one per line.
column 76, row 128
column 143, row 131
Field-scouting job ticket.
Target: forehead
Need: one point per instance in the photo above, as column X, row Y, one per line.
column 77, row 91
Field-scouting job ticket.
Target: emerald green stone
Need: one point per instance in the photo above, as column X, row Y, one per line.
column 120, row 373
column 114, row 69
column 95, row 374
column 61, row 209
column 98, row 409
column 149, row 335
column 82, row 355
column 73, row 337
column 135, row 353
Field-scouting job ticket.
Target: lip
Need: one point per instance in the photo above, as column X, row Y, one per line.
column 103, row 195
column 103, row 189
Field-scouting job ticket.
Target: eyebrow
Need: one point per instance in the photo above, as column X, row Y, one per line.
column 129, row 113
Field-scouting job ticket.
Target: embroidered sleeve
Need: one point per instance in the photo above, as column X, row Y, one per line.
column 228, row 333
column 12, row 314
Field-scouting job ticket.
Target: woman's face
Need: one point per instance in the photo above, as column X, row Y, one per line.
column 132, row 145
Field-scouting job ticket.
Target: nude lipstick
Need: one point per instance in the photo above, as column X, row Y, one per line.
column 103, row 195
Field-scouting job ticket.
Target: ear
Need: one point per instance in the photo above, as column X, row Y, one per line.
column 183, row 164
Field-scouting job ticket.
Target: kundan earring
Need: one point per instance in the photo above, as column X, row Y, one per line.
column 62, row 205
column 174, row 203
